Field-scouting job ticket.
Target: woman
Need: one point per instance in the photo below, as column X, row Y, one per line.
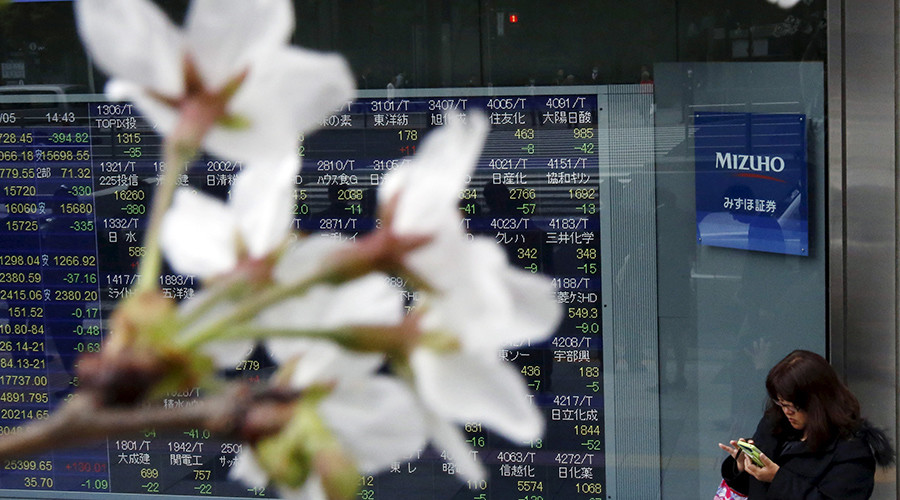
column 815, row 444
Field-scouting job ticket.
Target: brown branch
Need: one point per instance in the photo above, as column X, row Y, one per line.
column 237, row 412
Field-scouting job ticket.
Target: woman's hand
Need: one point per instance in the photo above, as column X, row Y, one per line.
column 734, row 452
column 766, row 473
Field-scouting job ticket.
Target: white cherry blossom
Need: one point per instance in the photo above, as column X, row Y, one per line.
column 369, row 301
column 474, row 297
column 280, row 90
column 204, row 236
column 375, row 418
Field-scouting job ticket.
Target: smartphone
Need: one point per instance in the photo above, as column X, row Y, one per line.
column 751, row 451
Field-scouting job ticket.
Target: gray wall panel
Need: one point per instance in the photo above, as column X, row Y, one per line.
column 867, row 348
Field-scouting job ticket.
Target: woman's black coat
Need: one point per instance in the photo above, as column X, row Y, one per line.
column 843, row 470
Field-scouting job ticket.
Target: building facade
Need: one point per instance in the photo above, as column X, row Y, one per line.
column 734, row 196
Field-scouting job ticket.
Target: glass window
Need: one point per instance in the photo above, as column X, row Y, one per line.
column 663, row 161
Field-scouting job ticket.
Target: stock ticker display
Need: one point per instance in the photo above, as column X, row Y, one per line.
column 76, row 181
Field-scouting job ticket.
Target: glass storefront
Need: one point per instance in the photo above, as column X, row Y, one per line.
column 666, row 162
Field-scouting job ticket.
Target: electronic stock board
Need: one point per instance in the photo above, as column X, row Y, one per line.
column 77, row 178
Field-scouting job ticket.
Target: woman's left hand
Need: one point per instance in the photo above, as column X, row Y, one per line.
column 766, row 473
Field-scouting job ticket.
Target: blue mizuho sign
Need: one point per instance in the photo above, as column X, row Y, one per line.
column 751, row 181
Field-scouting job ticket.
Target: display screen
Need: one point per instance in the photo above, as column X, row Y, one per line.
column 76, row 181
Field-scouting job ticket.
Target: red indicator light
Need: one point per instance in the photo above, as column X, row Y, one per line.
column 513, row 18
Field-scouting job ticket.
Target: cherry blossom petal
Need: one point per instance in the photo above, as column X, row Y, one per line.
column 532, row 309
column 141, row 45
column 198, row 235
column 228, row 354
column 449, row 439
column 322, row 361
column 287, row 93
column 367, row 301
column 262, row 200
column 376, row 419
column 429, row 186
column 226, row 36
column 306, row 257
column 159, row 115
column 504, row 305
column 284, row 91
column 246, row 469
column 312, row 489
column 453, row 247
column 225, row 354
column 463, row 387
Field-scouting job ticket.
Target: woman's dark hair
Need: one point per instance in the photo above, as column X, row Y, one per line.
column 806, row 380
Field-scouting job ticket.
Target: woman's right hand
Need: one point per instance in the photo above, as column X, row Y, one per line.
column 734, row 451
